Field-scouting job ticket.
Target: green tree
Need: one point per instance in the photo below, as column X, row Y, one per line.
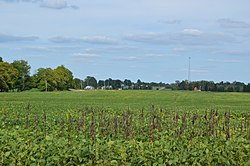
column 8, row 76
column 64, row 78
column 91, row 81
column 100, row 83
column 31, row 82
column 23, row 69
column 116, row 84
column 1, row 59
column 77, row 83
column 127, row 82
column 108, row 83
column 46, row 79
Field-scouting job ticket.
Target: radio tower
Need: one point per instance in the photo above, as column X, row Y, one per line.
column 189, row 69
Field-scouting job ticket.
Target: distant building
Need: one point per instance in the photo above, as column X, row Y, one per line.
column 124, row 87
column 196, row 89
column 89, row 88
column 158, row 88
column 107, row 87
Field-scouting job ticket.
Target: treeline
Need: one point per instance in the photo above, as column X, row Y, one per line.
column 211, row 86
column 16, row 76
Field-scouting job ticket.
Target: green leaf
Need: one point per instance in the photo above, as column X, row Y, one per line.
column 114, row 163
column 7, row 154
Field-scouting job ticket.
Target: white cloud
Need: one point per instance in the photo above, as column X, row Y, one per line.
column 92, row 39
column 84, row 58
column 145, row 58
column 228, row 23
column 237, row 52
column 41, row 48
column 33, row 48
column 129, row 58
column 224, row 61
column 171, row 21
column 192, row 31
column 186, row 37
column 179, row 49
column 11, row 38
column 199, row 71
column 57, row 4
column 52, row 4
column 160, row 55
column 85, row 55
column 21, row 0
column 232, row 61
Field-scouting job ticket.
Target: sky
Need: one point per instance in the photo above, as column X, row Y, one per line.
column 150, row 40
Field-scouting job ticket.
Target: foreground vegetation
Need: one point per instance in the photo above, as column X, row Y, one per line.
column 124, row 128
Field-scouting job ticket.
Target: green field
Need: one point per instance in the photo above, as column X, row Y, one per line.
column 124, row 128
column 120, row 100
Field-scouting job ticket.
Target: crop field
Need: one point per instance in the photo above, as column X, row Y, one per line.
column 124, row 128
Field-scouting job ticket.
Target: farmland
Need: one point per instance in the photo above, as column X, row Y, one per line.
column 124, row 128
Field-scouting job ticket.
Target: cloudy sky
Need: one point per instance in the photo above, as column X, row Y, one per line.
column 146, row 39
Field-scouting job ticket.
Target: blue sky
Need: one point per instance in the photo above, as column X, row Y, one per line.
column 134, row 39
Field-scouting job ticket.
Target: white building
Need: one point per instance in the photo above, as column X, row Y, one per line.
column 89, row 88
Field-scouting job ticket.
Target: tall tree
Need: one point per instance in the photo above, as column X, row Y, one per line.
column 64, row 78
column 46, row 79
column 77, row 83
column 23, row 69
column 91, row 81
column 116, row 84
column 127, row 82
column 8, row 76
column 101, row 83
column 1, row 59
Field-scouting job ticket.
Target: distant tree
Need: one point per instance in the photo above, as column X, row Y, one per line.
column 1, row 59
column 46, row 79
column 91, row 81
column 31, row 82
column 100, row 83
column 246, row 88
column 8, row 76
column 77, row 83
column 184, row 85
column 238, row 86
column 63, row 77
column 138, row 84
column 116, row 84
column 108, row 83
column 127, row 82
column 23, row 69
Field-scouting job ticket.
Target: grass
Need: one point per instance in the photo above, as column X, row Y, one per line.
column 120, row 100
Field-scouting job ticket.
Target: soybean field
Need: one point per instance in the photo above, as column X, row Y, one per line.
column 124, row 128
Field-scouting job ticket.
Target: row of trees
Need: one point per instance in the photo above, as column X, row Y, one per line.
column 16, row 76
column 211, row 86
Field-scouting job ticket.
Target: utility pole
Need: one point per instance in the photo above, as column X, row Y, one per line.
column 46, row 85
column 189, row 69
column 45, row 80
column 104, row 84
